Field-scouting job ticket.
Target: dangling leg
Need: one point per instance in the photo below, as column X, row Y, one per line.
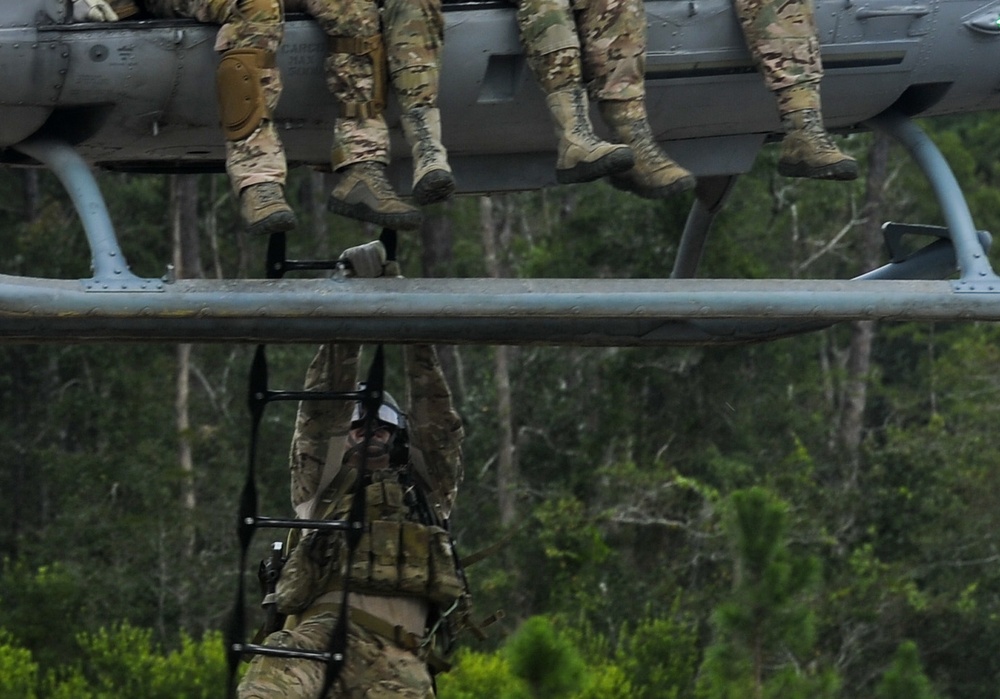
column 360, row 155
column 782, row 40
column 278, row 677
column 414, row 33
column 548, row 33
column 249, row 86
column 356, row 75
column 614, row 62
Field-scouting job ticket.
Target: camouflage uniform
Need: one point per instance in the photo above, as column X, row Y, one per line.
column 608, row 36
column 376, row 665
column 602, row 43
column 414, row 35
column 409, row 33
column 249, row 87
column 259, row 157
column 406, row 36
column 355, row 72
column 782, row 38
column 611, row 34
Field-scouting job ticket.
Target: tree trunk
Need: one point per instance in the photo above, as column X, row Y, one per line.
column 212, row 227
column 437, row 243
column 859, row 358
column 184, row 226
column 863, row 332
column 492, row 223
column 187, row 264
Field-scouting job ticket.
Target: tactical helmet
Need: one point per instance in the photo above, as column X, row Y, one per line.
column 389, row 413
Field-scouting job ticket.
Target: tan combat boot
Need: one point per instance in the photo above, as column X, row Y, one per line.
column 655, row 175
column 264, row 209
column 432, row 178
column 364, row 193
column 582, row 155
column 808, row 150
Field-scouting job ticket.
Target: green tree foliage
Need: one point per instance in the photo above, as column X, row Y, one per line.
column 118, row 663
column 905, row 679
column 764, row 629
column 18, row 670
column 660, row 655
column 31, row 599
column 125, row 662
column 476, row 675
column 539, row 660
column 547, row 661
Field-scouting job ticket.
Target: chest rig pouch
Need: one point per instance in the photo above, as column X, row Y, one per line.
column 398, row 553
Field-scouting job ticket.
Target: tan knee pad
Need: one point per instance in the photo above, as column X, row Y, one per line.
column 242, row 106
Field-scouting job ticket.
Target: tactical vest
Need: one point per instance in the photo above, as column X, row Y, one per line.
column 401, row 552
column 398, row 554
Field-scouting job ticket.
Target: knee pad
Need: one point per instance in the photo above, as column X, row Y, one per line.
column 242, row 106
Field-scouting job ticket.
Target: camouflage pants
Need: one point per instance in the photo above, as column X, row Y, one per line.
column 244, row 24
column 782, row 38
column 601, row 42
column 373, row 667
column 604, row 41
column 412, row 32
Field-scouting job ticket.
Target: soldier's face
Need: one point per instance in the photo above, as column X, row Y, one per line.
column 378, row 442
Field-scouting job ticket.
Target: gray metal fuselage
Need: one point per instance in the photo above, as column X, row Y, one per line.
column 141, row 95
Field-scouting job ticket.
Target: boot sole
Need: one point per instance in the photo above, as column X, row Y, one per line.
column 435, row 186
column 618, row 160
column 679, row 186
column 402, row 221
column 844, row 170
column 278, row 222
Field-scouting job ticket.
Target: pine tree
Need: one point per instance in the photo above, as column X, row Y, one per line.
column 905, row 678
column 764, row 628
column 548, row 662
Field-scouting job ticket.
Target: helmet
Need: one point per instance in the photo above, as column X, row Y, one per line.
column 389, row 413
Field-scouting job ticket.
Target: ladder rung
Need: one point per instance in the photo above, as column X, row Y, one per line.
column 282, row 523
column 257, row 649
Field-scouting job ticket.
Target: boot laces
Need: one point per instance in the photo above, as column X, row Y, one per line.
column 373, row 175
column 645, row 147
column 426, row 148
column 581, row 120
column 267, row 194
column 812, row 127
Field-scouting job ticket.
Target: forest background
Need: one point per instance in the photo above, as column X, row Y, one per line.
column 812, row 517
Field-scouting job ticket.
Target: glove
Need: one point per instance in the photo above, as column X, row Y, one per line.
column 93, row 11
column 366, row 260
column 392, row 269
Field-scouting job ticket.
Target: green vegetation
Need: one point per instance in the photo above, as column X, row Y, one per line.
column 814, row 517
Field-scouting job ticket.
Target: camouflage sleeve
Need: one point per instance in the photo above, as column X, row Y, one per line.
column 435, row 427
column 334, row 368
